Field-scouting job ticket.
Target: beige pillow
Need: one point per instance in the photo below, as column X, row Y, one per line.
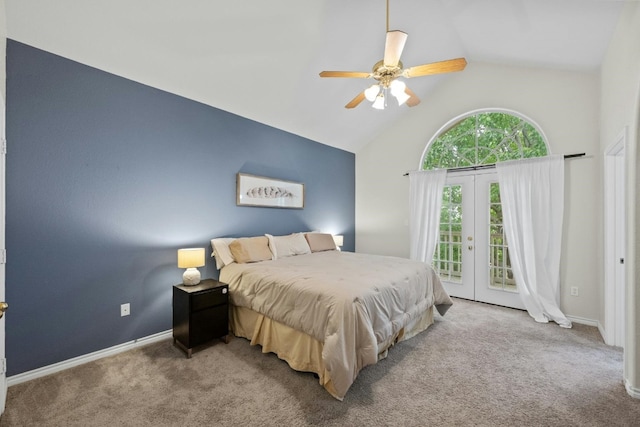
column 319, row 242
column 250, row 249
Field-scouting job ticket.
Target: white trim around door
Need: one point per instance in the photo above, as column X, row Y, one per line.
column 614, row 240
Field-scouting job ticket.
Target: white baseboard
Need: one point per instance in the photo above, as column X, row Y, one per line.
column 70, row 363
column 583, row 321
column 591, row 322
column 602, row 333
column 588, row 322
column 632, row 391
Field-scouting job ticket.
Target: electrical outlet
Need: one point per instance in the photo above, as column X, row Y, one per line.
column 125, row 309
column 574, row 291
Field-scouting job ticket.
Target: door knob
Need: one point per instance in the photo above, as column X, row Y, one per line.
column 3, row 308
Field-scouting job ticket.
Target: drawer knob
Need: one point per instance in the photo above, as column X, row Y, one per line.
column 224, row 290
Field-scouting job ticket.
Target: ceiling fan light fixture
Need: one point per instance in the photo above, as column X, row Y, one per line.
column 378, row 104
column 402, row 97
column 372, row 92
column 387, row 70
column 397, row 87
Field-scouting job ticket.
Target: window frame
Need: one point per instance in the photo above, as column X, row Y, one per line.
column 463, row 116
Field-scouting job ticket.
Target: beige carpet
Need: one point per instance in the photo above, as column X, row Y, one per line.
column 480, row 365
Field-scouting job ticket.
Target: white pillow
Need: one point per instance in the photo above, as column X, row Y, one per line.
column 285, row 246
column 221, row 251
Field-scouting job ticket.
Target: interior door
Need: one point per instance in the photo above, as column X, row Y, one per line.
column 3, row 306
column 615, row 240
column 472, row 256
column 620, row 235
column 620, row 249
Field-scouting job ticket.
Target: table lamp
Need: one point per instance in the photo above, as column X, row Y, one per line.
column 191, row 259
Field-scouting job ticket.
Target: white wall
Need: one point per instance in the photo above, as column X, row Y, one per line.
column 621, row 107
column 564, row 104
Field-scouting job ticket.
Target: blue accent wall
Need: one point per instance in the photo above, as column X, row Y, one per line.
column 107, row 178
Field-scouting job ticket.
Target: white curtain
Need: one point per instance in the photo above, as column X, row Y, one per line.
column 425, row 202
column 532, row 196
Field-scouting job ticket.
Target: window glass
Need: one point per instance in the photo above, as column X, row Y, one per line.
column 483, row 139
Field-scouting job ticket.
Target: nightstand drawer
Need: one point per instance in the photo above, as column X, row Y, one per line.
column 206, row 299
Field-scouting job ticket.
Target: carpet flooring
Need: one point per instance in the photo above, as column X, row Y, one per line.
column 480, row 365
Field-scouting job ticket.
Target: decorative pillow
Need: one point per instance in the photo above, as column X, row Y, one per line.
column 284, row 246
column 221, row 251
column 250, row 249
column 319, row 242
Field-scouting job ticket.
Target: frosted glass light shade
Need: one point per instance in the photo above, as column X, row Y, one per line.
column 397, row 87
column 338, row 239
column 402, row 97
column 378, row 104
column 371, row 92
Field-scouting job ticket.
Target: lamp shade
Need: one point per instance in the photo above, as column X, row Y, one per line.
column 371, row 92
column 191, row 257
column 338, row 239
column 402, row 97
column 378, row 104
column 397, row 87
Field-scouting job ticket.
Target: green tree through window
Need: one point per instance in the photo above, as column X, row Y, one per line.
column 483, row 139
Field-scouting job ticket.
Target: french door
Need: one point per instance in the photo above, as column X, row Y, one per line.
column 472, row 256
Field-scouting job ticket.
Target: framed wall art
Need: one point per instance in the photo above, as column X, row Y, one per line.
column 252, row 190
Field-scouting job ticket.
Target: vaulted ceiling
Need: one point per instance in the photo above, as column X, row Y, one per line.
column 260, row 59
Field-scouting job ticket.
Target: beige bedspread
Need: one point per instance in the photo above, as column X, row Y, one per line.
column 355, row 304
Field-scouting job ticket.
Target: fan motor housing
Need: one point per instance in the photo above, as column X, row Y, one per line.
column 385, row 74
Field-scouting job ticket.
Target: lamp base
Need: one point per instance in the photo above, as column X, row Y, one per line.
column 191, row 277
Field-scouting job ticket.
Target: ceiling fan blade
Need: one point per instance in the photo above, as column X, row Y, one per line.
column 357, row 74
column 448, row 66
column 393, row 47
column 413, row 100
column 355, row 101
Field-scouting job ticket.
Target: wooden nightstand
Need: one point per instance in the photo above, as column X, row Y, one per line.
column 200, row 314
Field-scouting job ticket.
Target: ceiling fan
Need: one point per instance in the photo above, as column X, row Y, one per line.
column 387, row 71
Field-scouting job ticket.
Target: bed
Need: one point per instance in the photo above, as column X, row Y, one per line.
column 323, row 310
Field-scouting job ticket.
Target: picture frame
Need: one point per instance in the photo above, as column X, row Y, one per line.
column 254, row 190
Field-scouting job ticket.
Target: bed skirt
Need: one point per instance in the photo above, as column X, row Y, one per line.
column 301, row 351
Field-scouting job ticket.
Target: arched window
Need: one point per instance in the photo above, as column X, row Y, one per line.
column 483, row 138
column 472, row 254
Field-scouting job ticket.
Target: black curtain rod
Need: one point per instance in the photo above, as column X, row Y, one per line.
column 493, row 165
